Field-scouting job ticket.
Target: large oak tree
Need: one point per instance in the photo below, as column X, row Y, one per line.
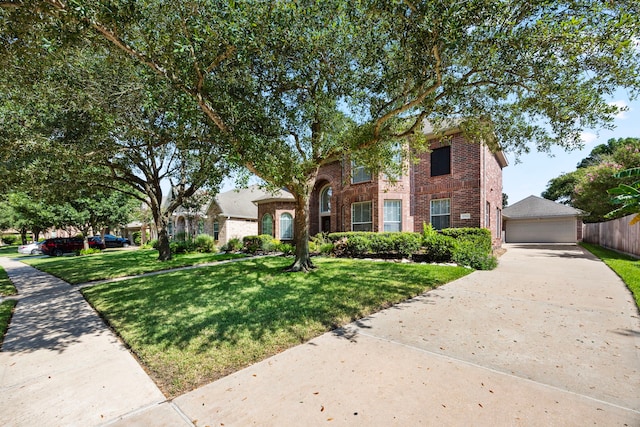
column 294, row 85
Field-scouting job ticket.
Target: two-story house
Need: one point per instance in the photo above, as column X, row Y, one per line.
column 458, row 183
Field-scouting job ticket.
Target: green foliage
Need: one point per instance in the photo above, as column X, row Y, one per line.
column 90, row 251
column 226, row 317
column 205, row 243
column 626, row 195
column 286, row 248
column 478, row 237
column 6, row 310
column 182, row 246
column 153, row 244
column 233, row 245
column 627, row 267
column 263, row 243
column 587, row 186
column 468, row 254
column 438, row 248
column 10, row 239
column 6, row 286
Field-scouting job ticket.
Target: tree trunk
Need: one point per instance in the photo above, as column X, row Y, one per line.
column 301, row 234
column 23, row 235
column 164, row 251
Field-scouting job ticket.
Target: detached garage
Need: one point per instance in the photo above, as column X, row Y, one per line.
column 538, row 220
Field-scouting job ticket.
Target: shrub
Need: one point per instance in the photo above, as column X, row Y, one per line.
column 182, row 247
column 205, row 243
column 326, row 248
column 467, row 253
column 153, row 244
column 480, row 237
column 180, row 237
column 10, row 239
column 137, row 237
column 264, row 243
column 438, row 248
column 285, row 248
column 89, row 251
column 233, row 245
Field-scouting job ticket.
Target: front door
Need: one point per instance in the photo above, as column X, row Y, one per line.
column 325, row 224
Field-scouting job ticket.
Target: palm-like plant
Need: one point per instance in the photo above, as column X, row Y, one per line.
column 627, row 195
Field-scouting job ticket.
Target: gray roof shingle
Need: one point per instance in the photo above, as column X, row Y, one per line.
column 537, row 207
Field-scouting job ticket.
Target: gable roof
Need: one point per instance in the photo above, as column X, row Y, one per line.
column 238, row 203
column 278, row 196
column 537, row 207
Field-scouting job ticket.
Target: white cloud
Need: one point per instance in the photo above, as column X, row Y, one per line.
column 588, row 138
column 623, row 105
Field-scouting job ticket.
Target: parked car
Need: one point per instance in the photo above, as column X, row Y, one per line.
column 112, row 241
column 96, row 242
column 31, row 248
column 63, row 245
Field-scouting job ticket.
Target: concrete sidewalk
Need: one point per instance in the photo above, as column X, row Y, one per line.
column 551, row 337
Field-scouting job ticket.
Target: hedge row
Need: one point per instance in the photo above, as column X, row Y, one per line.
column 465, row 246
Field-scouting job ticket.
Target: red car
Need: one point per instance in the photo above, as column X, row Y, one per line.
column 62, row 245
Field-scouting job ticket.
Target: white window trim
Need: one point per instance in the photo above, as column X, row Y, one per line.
column 431, row 214
column 359, row 170
column 282, row 229
column 370, row 222
column 398, row 222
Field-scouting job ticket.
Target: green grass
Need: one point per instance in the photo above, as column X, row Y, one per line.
column 193, row 326
column 119, row 263
column 6, row 308
column 6, row 287
column 627, row 267
column 10, row 251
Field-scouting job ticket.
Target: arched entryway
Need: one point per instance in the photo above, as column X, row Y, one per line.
column 324, row 208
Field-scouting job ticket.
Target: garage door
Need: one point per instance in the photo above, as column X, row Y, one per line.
column 541, row 231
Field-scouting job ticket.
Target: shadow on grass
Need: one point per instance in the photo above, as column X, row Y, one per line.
column 242, row 312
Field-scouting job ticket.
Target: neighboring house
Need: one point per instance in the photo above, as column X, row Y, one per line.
column 538, row 220
column 228, row 215
column 457, row 184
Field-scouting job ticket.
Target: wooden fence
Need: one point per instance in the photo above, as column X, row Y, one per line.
column 616, row 234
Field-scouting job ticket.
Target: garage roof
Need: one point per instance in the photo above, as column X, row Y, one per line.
column 537, row 207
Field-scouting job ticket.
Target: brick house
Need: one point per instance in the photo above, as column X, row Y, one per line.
column 228, row 215
column 457, row 184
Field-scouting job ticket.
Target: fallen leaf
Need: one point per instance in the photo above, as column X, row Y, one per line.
column 321, row 408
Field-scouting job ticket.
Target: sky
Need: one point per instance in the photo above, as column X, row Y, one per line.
column 535, row 170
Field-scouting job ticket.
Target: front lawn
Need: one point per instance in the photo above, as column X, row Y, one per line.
column 190, row 327
column 10, row 251
column 628, row 268
column 112, row 264
column 6, row 287
column 6, row 309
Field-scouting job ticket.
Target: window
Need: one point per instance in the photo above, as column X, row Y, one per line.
column 361, row 217
column 487, row 216
column 286, row 226
column 170, row 228
column 498, row 223
column 359, row 174
column 440, row 213
column 392, row 215
column 267, row 224
column 441, row 161
column 325, row 200
column 216, row 230
column 200, row 226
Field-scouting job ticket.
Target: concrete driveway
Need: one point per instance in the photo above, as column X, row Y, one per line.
column 550, row 337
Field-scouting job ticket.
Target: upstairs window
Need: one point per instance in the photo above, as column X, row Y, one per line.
column 441, row 161
column 359, row 174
